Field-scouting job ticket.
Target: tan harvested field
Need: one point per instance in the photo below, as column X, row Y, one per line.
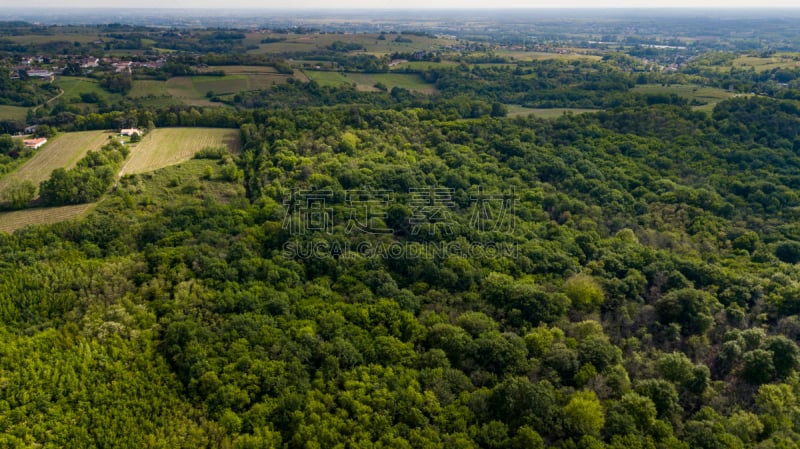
column 11, row 221
column 63, row 151
column 168, row 146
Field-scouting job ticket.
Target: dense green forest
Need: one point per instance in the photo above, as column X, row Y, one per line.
column 618, row 279
column 392, row 268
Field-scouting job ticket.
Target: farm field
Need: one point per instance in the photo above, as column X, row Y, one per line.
column 327, row 78
column 144, row 88
column 63, row 151
column 422, row 65
column 367, row 81
column 231, row 84
column 710, row 96
column 241, row 70
column 778, row 60
column 183, row 89
column 11, row 221
column 13, row 112
column 410, row 81
column 725, row 62
column 168, row 146
column 521, row 111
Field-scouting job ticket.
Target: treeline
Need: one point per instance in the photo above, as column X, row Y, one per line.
column 549, row 83
column 88, row 181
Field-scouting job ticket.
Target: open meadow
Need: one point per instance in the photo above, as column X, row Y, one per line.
column 168, row 146
column 13, row 112
column 325, row 78
column 708, row 96
column 74, row 86
column 521, row 111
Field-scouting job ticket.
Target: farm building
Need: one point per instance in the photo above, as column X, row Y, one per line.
column 129, row 132
column 40, row 73
column 34, row 143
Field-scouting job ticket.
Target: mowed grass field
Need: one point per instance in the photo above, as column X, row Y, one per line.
column 169, row 146
column 74, row 86
column 327, row 78
column 410, row 81
column 710, row 96
column 11, row 221
column 521, row 111
column 13, row 112
column 183, row 89
column 63, row 151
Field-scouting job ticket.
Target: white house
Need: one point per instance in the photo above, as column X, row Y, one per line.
column 129, row 132
column 34, row 143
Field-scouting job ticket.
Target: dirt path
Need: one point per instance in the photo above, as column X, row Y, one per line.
column 50, row 100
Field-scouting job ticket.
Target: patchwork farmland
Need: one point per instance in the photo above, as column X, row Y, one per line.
column 63, row 151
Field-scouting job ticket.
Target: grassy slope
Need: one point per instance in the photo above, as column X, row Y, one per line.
column 184, row 90
column 168, row 146
column 710, row 96
column 73, row 87
column 62, row 151
column 12, row 112
column 11, row 221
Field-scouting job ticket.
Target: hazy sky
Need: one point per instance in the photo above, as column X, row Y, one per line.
column 395, row 4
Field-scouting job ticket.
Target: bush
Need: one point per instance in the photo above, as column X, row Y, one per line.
column 788, row 252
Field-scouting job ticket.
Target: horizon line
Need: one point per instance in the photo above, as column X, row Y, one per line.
column 417, row 8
